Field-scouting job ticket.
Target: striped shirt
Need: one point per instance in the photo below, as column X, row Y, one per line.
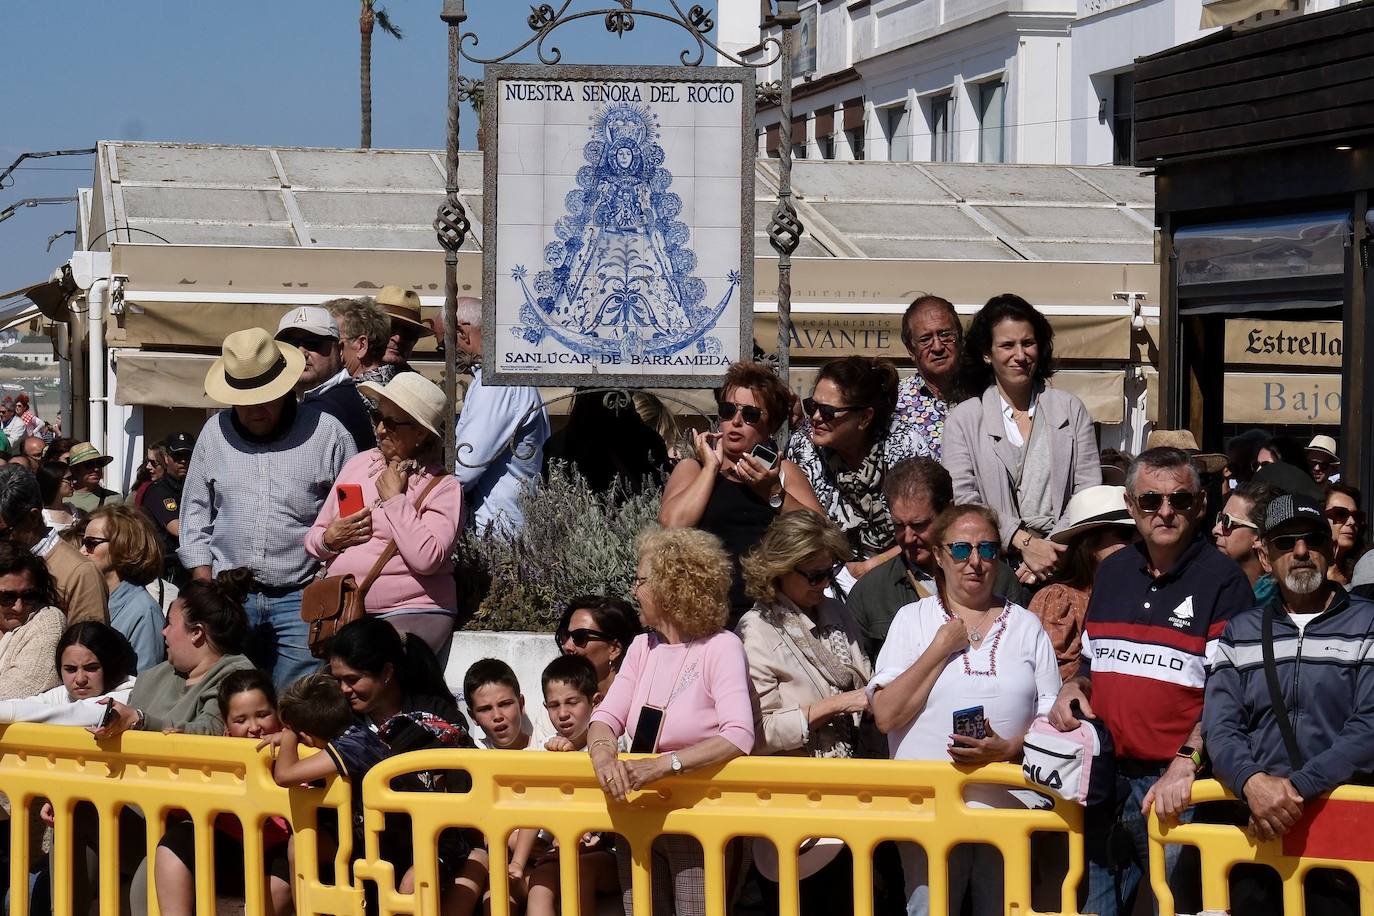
column 1148, row 643
column 249, row 503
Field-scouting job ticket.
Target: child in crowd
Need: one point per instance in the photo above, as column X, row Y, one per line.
column 248, row 706
column 570, row 695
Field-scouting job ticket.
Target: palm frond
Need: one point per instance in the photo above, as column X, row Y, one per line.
column 384, row 21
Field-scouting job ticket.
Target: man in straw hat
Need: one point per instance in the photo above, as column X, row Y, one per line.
column 402, row 306
column 1322, row 461
column 88, row 472
column 258, row 476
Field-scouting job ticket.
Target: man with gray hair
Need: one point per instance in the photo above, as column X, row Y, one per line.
column 500, row 431
column 80, row 586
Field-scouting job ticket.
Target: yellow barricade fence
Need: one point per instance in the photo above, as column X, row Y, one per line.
column 1335, row 833
column 783, row 800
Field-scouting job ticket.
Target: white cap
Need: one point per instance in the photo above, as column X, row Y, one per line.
column 309, row 319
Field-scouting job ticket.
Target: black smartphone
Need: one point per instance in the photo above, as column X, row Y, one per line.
column 403, row 735
column 647, row 730
column 108, row 717
column 765, row 452
column 970, row 723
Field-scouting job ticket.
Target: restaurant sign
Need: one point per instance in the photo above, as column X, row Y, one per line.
column 1256, row 397
column 1274, row 342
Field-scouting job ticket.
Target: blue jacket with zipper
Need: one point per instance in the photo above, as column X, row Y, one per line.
column 1326, row 674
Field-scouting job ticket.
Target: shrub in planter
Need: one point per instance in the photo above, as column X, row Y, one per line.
column 574, row 541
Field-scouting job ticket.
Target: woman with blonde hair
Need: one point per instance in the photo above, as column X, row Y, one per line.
column 123, row 544
column 682, row 694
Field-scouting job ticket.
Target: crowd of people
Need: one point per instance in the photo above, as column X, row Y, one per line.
column 923, row 570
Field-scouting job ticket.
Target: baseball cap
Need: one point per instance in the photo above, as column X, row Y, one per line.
column 1292, row 513
column 308, row 319
column 180, row 442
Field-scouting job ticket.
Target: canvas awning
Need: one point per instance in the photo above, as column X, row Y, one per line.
column 1229, row 12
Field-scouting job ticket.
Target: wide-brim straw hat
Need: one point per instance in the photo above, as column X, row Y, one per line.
column 1182, row 439
column 86, row 453
column 253, row 369
column 418, row 397
column 403, row 305
column 1095, row 507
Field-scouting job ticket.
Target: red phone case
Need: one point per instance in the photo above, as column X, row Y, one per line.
column 350, row 498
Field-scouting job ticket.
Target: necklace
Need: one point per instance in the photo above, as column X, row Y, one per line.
column 991, row 670
column 975, row 634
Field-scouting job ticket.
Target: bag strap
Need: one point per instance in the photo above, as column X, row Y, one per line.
column 1271, row 677
column 391, row 548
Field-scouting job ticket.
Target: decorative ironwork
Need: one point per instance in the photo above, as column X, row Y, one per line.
column 768, row 93
column 785, row 229
column 451, row 224
column 618, row 22
column 700, row 18
column 469, row 89
column 541, row 16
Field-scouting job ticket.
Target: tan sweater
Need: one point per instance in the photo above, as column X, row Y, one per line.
column 28, row 654
column 80, row 586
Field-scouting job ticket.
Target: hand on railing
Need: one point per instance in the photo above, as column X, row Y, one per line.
column 1275, row 806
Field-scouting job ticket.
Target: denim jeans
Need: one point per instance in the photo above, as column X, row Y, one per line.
column 277, row 637
column 1115, row 869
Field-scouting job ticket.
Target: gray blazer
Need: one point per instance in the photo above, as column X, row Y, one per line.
column 983, row 463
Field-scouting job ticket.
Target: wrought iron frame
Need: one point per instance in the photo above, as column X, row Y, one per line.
column 785, row 228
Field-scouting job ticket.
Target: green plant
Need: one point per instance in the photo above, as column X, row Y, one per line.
column 574, row 541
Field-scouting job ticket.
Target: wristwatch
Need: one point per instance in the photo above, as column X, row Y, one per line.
column 775, row 500
column 1191, row 753
column 674, row 763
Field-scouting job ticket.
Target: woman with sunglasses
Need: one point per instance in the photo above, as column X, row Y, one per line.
column 726, row 490
column 962, row 661
column 845, row 448
column 152, row 469
column 599, row 629
column 30, row 623
column 1237, row 534
column 1346, row 518
column 408, row 501
column 55, row 481
column 123, row 544
column 1016, row 445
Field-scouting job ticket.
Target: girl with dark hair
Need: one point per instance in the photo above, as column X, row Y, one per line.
column 599, row 629
column 30, row 624
column 845, row 448
column 55, row 487
column 1016, row 445
column 93, row 660
column 383, row 674
column 205, row 634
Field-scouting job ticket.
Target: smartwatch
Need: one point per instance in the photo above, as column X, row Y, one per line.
column 1191, row 753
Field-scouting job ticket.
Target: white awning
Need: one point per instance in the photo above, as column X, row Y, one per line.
column 1229, row 12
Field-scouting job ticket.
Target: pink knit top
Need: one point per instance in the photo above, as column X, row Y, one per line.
column 703, row 685
column 421, row 574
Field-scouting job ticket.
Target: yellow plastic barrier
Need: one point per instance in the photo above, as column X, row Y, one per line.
column 783, row 799
column 1339, row 837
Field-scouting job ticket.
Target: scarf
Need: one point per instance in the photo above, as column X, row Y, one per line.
column 859, row 507
column 825, row 647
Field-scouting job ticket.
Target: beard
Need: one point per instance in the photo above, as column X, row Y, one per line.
column 1303, row 581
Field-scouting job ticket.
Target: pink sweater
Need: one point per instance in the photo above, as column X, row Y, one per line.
column 704, row 684
column 421, row 573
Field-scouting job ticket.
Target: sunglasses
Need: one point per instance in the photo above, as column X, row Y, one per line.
column 1339, row 515
column 1286, row 542
column 91, row 543
column 1150, row 503
column 818, row 576
column 380, row 419
column 28, row 598
column 727, row 410
column 1230, row 523
column 179, row 457
column 961, row 551
column 583, row 635
column 827, row 412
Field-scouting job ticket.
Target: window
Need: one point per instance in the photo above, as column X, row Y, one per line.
column 898, row 133
column 856, row 141
column 1123, row 119
column 827, row 144
column 942, row 128
column 991, row 110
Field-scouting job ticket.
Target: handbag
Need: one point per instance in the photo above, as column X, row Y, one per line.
column 331, row 603
column 1076, row 765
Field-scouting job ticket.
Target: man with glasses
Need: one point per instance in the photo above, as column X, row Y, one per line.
column 325, row 381
column 934, row 337
column 917, row 490
column 1322, row 461
column 162, row 501
column 1156, row 611
column 1237, row 534
column 80, row 586
column 1279, row 754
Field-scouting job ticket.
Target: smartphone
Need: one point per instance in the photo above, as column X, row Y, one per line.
column 108, row 717
column 765, row 452
column 647, row 730
column 403, row 735
column 970, row 723
column 350, row 498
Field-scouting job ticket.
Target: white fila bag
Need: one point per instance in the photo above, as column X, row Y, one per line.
column 1060, row 761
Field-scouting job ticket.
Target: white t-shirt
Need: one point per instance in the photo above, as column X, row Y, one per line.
column 1025, row 685
column 1302, row 620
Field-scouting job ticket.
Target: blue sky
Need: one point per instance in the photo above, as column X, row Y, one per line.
column 269, row 72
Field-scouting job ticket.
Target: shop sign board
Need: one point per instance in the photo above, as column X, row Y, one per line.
column 620, row 207
column 1275, row 342
column 1266, row 398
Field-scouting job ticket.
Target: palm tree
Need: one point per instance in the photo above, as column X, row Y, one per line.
column 476, row 98
column 370, row 14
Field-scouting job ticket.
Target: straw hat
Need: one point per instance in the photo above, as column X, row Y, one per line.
column 403, row 305
column 1324, row 445
column 1182, row 439
column 420, row 399
column 83, row 453
column 1094, row 507
column 254, row 369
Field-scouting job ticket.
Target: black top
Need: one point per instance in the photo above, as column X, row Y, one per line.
column 739, row 516
column 344, row 403
column 162, row 503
